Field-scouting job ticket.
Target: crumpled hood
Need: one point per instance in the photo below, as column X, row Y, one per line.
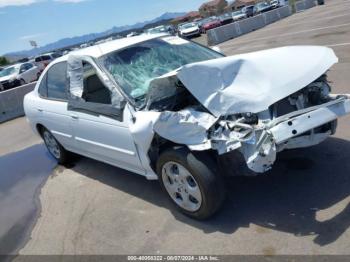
column 252, row 82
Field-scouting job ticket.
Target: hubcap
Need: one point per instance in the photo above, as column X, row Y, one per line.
column 52, row 145
column 181, row 186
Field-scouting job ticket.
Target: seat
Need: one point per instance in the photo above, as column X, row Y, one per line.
column 95, row 91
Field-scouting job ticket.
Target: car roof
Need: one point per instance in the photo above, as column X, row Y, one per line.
column 102, row 49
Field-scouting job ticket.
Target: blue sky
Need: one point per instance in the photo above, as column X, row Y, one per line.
column 49, row 20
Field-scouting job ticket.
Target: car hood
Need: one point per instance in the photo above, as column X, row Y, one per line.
column 189, row 30
column 252, row 82
column 6, row 78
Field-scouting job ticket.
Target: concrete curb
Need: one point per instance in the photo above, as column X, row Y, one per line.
column 230, row 31
column 11, row 102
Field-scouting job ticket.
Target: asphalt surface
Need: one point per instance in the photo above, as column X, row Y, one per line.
column 300, row 207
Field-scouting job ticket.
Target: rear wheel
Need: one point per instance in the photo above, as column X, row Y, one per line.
column 54, row 147
column 191, row 181
column 22, row 82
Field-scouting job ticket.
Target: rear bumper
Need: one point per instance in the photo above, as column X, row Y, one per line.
column 299, row 122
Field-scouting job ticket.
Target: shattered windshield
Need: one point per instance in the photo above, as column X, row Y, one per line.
column 135, row 67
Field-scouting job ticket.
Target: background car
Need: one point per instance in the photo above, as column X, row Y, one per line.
column 18, row 74
column 263, row 7
column 210, row 23
column 43, row 60
column 275, row 3
column 226, row 18
column 189, row 30
column 249, row 10
column 238, row 15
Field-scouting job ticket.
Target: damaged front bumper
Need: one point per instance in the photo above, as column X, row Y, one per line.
column 294, row 130
column 299, row 122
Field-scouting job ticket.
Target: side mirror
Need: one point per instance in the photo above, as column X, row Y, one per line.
column 216, row 49
column 22, row 71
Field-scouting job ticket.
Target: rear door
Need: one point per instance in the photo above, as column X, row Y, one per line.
column 52, row 107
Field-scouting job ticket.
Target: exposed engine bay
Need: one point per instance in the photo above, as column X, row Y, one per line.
column 184, row 121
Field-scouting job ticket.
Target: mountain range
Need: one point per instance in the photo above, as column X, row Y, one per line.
column 66, row 42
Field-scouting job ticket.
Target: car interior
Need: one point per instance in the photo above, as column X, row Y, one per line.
column 94, row 90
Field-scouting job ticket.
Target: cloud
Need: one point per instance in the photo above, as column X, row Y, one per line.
column 4, row 3
column 31, row 37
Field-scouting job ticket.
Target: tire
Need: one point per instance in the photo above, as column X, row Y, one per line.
column 192, row 182
column 38, row 76
column 22, row 82
column 54, row 147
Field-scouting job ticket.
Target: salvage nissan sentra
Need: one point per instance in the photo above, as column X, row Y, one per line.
column 164, row 107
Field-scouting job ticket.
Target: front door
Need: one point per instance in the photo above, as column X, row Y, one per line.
column 101, row 136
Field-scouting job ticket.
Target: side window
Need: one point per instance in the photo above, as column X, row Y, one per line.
column 94, row 90
column 43, row 87
column 22, row 69
column 29, row 66
column 57, row 83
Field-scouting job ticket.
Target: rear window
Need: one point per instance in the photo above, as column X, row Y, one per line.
column 45, row 57
column 54, row 84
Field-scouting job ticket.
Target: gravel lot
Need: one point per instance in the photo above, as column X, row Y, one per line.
column 301, row 207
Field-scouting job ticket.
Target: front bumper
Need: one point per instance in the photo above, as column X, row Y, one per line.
column 190, row 34
column 299, row 122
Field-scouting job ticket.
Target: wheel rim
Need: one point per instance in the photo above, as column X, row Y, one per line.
column 181, row 186
column 52, row 145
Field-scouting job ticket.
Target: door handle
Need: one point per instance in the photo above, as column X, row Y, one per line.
column 40, row 110
column 75, row 117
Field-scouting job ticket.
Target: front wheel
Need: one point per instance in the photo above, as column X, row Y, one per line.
column 192, row 182
column 22, row 82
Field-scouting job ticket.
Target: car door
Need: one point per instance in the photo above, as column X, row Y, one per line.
column 23, row 73
column 100, row 134
column 31, row 71
column 52, row 106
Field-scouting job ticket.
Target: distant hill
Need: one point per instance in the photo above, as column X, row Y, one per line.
column 66, row 42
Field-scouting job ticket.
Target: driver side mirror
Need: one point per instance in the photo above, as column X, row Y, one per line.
column 22, row 70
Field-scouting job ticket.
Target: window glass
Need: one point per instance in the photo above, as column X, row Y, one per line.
column 29, row 66
column 43, row 87
column 135, row 67
column 38, row 59
column 57, row 81
column 45, row 57
column 94, row 90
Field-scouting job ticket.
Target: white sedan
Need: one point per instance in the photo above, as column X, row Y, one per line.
column 18, row 74
column 189, row 30
column 170, row 109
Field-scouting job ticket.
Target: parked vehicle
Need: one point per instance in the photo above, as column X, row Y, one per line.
column 226, row 18
column 159, row 29
column 263, row 7
column 18, row 75
column 275, row 4
column 210, row 23
column 43, row 60
column 249, row 10
column 170, row 109
column 189, row 30
column 238, row 15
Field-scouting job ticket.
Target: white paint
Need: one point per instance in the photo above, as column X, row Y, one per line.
column 254, row 81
